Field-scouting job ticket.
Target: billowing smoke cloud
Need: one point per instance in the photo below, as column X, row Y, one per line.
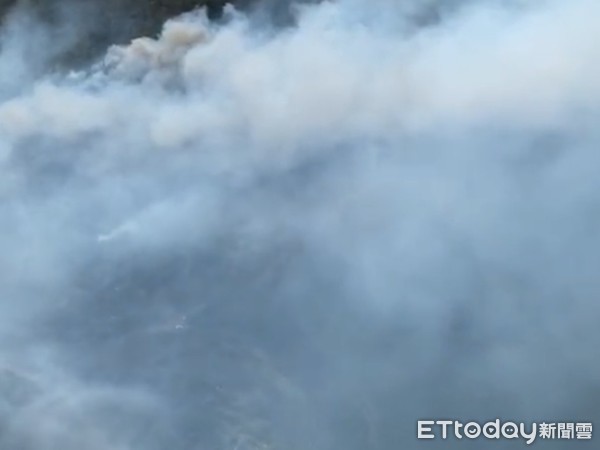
column 238, row 236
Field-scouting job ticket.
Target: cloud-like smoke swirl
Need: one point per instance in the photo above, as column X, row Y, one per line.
column 238, row 236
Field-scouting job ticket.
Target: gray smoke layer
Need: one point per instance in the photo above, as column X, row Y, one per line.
column 236, row 236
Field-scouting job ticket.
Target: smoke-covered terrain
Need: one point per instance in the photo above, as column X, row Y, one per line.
column 240, row 235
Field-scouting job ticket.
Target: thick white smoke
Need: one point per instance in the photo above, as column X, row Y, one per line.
column 237, row 236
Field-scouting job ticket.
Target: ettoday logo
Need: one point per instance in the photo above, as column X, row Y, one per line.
column 432, row 429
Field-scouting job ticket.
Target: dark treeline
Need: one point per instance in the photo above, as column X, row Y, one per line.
column 144, row 15
column 106, row 22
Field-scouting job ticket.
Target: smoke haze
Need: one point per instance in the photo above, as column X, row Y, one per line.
column 237, row 235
